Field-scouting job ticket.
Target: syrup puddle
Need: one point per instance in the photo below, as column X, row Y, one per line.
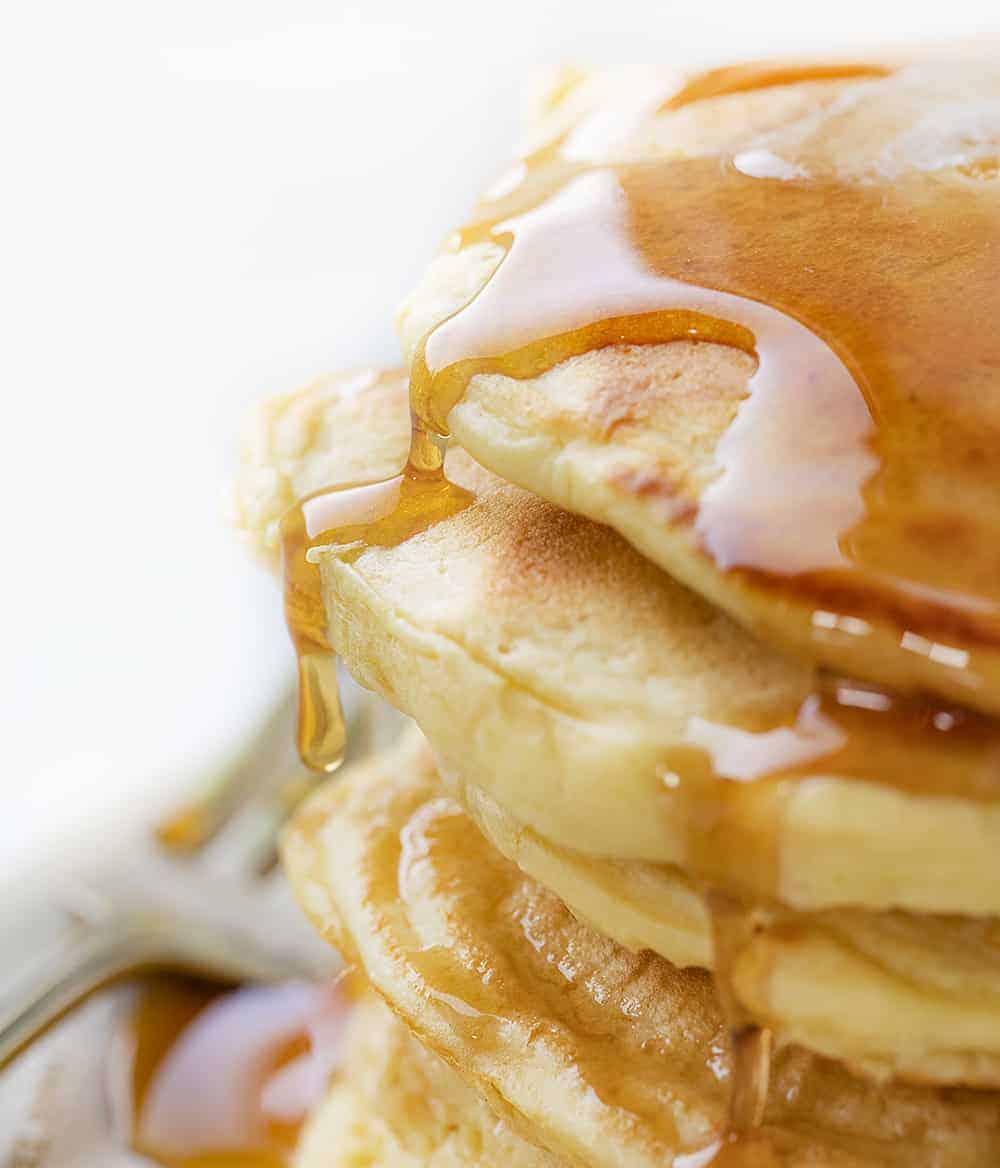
column 210, row 1078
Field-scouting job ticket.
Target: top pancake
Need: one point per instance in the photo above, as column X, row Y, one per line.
column 822, row 460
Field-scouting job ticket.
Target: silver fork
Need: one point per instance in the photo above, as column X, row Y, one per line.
column 196, row 894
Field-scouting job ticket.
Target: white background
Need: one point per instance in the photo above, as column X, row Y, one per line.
column 204, row 203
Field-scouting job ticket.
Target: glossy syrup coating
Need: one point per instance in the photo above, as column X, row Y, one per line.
column 346, row 520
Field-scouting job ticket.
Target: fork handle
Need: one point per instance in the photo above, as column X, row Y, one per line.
column 85, row 956
column 83, row 959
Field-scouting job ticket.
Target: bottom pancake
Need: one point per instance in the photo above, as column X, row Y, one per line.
column 596, row 1054
column 394, row 1104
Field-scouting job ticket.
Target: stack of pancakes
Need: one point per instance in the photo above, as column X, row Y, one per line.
column 695, row 856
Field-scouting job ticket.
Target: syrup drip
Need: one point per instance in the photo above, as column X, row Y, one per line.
column 223, row 1078
column 732, row 925
column 743, row 1143
column 321, row 734
column 345, row 521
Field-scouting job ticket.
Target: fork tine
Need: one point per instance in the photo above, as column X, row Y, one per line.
column 200, row 817
column 248, row 843
column 288, row 799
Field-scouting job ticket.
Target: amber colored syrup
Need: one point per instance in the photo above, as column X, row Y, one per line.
column 223, row 1078
column 727, row 788
column 870, row 308
column 347, row 520
column 858, row 300
column 320, row 731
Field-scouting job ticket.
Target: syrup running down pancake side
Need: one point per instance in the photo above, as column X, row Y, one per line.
column 604, row 1055
column 858, row 299
column 348, row 519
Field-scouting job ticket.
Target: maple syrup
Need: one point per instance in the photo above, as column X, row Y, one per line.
column 224, row 1078
column 726, row 792
column 346, row 520
column 858, row 301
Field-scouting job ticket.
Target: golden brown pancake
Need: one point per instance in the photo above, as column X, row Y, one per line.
column 596, row 1054
column 821, row 458
column 617, row 715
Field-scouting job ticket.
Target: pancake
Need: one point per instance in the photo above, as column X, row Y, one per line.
column 597, row 1055
column 820, row 461
column 395, row 1104
column 617, row 715
column 294, row 444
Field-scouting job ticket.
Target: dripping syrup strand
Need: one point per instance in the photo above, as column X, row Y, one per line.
column 733, row 924
column 345, row 521
column 320, row 733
